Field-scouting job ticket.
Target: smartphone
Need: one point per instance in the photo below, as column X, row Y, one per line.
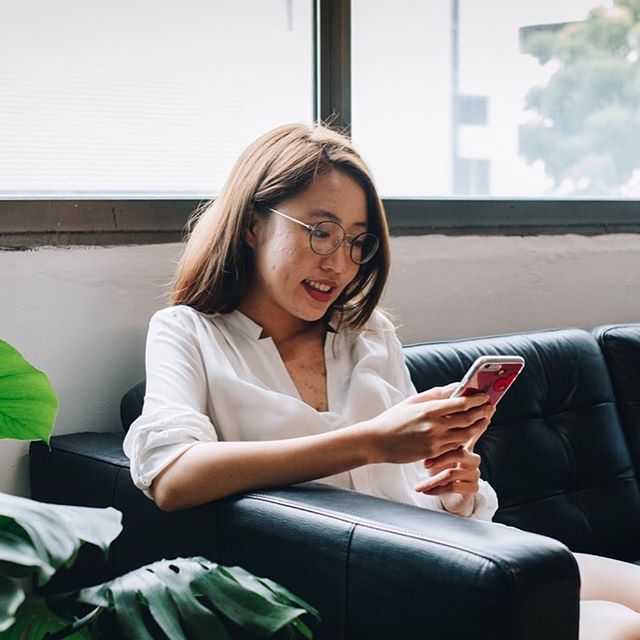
column 490, row 374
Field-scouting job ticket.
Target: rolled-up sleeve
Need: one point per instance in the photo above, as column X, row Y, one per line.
column 174, row 414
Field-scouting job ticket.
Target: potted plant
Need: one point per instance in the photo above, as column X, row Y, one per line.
column 184, row 598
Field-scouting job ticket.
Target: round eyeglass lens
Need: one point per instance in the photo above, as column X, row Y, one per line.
column 326, row 237
column 364, row 247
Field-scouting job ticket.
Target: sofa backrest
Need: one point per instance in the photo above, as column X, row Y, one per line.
column 620, row 345
column 555, row 451
column 131, row 405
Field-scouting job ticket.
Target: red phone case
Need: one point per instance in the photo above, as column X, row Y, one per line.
column 495, row 383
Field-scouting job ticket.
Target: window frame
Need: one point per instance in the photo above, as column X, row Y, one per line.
column 28, row 223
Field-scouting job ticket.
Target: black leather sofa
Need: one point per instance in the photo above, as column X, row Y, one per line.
column 563, row 453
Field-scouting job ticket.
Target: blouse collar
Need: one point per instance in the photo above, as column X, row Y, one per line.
column 244, row 324
column 251, row 328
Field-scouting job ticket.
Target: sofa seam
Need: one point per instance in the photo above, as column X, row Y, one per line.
column 364, row 522
column 627, row 475
column 345, row 620
column 114, row 492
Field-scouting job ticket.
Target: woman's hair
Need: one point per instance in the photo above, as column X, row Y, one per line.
column 216, row 268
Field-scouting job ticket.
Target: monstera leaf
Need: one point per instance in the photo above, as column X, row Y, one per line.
column 188, row 599
column 36, row 620
column 28, row 404
column 38, row 538
column 11, row 597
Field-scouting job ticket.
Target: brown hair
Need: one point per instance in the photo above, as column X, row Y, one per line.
column 216, row 268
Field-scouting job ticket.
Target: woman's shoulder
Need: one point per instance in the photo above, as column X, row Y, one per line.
column 379, row 328
column 180, row 316
column 233, row 325
column 380, row 321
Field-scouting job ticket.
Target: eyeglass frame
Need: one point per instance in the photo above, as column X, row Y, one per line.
column 346, row 237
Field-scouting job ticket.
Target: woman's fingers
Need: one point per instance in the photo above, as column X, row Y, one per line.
column 461, row 487
column 436, row 407
column 456, row 480
column 459, row 456
column 469, row 417
column 453, row 439
column 456, row 471
column 436, row 393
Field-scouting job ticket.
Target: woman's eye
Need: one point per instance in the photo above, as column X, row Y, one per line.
column 358, row 243
column 320, row 233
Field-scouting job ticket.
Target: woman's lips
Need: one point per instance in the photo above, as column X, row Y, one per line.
column 316, row 294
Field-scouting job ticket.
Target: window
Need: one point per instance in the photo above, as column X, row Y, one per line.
column 122, row 117
column 144, row 98
column 498, row 99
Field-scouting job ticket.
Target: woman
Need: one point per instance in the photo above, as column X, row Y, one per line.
column 273, row 365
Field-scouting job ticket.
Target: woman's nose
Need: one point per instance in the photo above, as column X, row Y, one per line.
column 337, row 260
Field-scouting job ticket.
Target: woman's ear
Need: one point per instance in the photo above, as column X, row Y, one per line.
column 249, row 234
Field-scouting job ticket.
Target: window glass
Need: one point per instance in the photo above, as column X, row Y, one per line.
column 148, row 97
column 501, row 99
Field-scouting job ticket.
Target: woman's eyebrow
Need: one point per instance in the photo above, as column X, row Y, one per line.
column 328, row 215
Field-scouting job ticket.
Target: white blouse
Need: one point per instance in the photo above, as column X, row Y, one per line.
column 212, row 377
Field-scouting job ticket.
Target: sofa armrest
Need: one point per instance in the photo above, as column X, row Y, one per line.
column 373, row 568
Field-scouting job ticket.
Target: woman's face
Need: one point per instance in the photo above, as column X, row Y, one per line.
column 291, row 282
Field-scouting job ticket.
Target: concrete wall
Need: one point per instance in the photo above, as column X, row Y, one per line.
column 456, row 287
column 81, row 314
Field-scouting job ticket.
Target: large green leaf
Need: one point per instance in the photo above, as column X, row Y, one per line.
column 184, row 597
column 28, row 404
column 246, row 601
column 11, row 597
column 34, row 620
column 18, row 558
column 272, row 590
column 54, row 532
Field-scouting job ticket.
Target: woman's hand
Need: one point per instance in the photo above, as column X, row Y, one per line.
column 455, row 476
column 426, row 426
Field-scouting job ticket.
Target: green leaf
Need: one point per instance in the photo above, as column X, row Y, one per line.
column 28, row 403
column 200, row 622
column 11, row 597
column 246, row 605
column 55, row 533
column 286, row 596
column 280, row 592
column 35, row 619
column 151, row 586
column 128, row 607
column 182, row 596
column 18, row 558
column 78, row 628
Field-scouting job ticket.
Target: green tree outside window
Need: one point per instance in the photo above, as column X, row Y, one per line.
column 587, row 118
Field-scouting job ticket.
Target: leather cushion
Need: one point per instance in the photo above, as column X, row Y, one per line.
column 620, row 345
column 555, row 451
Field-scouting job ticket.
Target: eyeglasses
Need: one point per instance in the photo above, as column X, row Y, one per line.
column 327, row 236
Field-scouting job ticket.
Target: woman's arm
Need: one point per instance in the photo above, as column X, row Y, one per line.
column 420, row 427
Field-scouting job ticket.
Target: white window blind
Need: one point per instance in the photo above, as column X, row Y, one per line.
column 148, row 98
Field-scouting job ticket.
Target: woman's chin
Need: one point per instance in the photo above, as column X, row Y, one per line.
column 313, row 313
